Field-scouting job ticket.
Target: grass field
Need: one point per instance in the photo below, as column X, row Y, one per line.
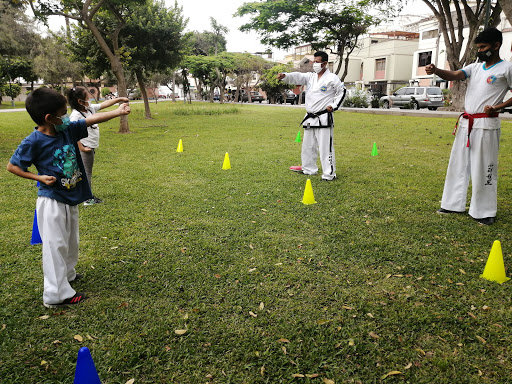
column 202, row 275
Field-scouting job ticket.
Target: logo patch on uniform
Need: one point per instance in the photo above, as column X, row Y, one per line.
column 491, row 79
column 323, row 89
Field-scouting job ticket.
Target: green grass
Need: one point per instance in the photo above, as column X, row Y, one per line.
column 367, row 281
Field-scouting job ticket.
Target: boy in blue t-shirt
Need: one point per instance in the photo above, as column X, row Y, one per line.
column 52, row 148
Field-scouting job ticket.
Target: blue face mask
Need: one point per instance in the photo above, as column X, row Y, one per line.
column 65, row 123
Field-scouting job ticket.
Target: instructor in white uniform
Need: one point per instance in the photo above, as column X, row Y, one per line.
column 324, row 95
column 475, row 149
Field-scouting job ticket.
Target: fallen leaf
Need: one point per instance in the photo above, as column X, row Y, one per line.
column 124, row 304
column 421, row 351
column 408, row 366
column 462, row 271
column 374, row 335
column 313, row 375
column 283, row 348
column 57, row 342
column 261, row 306
column 217, row 276
column 4, row 326
column 472, row 315
column 253, row 314
column 183, row 250
column 351, row 342
column 78, row 338
column 327, row 381
column 262, row 370
column 131, row 381
column 392, row 373
column 44, row 317
column 486, row 308
column 481, row 339
column 252, row 270
column 347, row 307
column 44, row 362
column 322, row 322
column 370, row 315
column 180, row 331
column 297, row 375
column 283, row 340
column 114, row 247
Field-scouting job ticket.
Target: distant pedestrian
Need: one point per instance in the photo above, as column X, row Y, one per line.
column 78, row 99
column 475, row 149
column 324, row 95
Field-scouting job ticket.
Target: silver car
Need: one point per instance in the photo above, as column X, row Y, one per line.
column 415, row 97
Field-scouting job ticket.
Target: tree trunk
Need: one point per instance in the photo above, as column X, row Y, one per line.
column 458, row 96
column 173, row 97
column 142, row 87
column 507, row 9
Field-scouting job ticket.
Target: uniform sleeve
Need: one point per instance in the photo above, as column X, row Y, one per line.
column 297, row 78
column 75, row 115
column 24, row 155
column 340, row 92
column 78, row 129
column 468, row 69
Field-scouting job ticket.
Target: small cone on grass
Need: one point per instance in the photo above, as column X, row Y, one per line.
column 85, row 372
column 374, row 150
column 180, row 146
column 297, row 139
column 308, row 198
column 36, row 237
column 495, row 268
column 226, row 164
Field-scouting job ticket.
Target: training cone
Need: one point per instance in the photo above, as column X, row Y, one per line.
column 308, row 198
column 180, row 147
column 226, row 164
column 85, row 372
column 36, row 237
column 297, row 139
column 374, row 150
column 495, row 268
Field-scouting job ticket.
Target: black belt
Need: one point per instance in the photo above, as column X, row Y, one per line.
column 310, row 115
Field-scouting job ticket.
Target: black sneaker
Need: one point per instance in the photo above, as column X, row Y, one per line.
column 487, row 220
column 443, row 211
column 97, row 200
column 76, row 299
column 77, row 277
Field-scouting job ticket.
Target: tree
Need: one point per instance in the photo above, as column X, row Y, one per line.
column 453, row 17
column 507, row 9
column 246, row 66
column 333, row 24
column 105, row 30
column 218, row 32
column 206, row 43
column 12, row 90
column 275, row 88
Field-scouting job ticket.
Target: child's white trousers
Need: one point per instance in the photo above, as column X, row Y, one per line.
column 479, row 162
column 318, row 140
column 58, row 226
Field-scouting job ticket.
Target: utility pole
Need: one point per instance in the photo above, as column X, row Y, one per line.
column 487, row 13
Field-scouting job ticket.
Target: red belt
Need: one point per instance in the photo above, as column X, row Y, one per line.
column 471, row 119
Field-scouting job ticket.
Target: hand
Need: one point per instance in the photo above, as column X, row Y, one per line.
column 47, row 180
column 329, row 108
column 430, row 69
column 86, row 149
column 123, row 100
column 280, row 76
column 124, row 109
column 489, row 109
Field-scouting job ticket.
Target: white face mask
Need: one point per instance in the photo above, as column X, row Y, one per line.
column 317, row 67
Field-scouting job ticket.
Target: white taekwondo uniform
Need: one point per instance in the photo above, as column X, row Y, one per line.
column 328, row 90
column 475, row 151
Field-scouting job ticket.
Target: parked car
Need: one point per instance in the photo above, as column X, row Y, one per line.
column 416, row 97
column 255, row 96
column 134, row 95
column 290, row 98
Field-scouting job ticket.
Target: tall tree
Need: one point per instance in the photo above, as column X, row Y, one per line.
column 334, row 24
column 219, row 31
column 106, row 33
column 453, row 18
column 507, row 9
column 206, row 43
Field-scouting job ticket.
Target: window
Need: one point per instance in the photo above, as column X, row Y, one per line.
column 432, row 34
column 401, row 91
column 380, row 64
column 420, row 91
column 424, row 58
column 409, row 91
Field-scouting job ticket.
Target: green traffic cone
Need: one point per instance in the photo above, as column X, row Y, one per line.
column 297, row 139
column 374, row 150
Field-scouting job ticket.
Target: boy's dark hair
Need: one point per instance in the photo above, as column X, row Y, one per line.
column 322, row 54
column 75, row 94
column 489, row 36
column 44, row 101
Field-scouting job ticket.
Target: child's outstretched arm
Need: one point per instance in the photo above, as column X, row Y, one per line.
column 100, row 117
column 108, row 103
column 45, row 179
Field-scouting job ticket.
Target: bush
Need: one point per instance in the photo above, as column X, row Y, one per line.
column 359, row 100
column 447, row 94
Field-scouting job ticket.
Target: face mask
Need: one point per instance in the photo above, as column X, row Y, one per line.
column 65, row 123
column 484, row 55
column 317, row 67
column 85, row 103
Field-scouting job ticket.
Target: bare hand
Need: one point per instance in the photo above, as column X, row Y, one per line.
column 329, row 108
column 85, row 149
column 280, row 76
column 47, row 180
column 123, row 100
column 124, row 109
column 430, row 69
column 489, row 109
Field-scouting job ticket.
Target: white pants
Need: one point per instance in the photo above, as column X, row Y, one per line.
column 58, row 227
column 479, row 162
column 318, row 140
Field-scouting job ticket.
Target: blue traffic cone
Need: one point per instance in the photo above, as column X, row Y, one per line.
column 36, row 237
column 85, row 372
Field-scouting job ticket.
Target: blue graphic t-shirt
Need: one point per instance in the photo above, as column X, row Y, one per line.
column 57, row 156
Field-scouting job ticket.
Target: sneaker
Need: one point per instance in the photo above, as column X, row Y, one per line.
column 443, row 211
column 296, row 168
column 89, row 202
column 76, row 299
column 97, row 200
column 334, row 178
column 77, row 277
column 487, row 220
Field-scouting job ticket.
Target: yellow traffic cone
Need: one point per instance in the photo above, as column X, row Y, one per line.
column 495, row 268
column 308, row 198
column 180, row 147
column 226, row 164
